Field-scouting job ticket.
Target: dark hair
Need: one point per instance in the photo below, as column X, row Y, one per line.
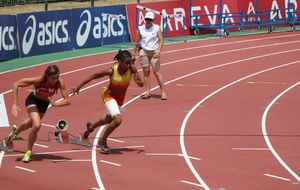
column 51, row 70
column 123, row 55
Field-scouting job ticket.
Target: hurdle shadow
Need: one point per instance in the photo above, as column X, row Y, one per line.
column 41, row 157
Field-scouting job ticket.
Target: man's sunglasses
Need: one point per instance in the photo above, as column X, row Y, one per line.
column 148, row 19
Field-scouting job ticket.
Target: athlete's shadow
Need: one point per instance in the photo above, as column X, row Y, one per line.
column 41, row 157
column 156, row 96
column 121, row 150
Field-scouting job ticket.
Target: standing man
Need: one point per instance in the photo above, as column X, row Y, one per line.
column 149, row 45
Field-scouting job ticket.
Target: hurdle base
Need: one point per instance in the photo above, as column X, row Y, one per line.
column 63, row 137
column 7, row 146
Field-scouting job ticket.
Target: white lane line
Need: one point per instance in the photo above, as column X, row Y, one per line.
column 127, row 147
column 3, row 113
column 196, row 72
column 277, row 177
column 96, row 172
column 72, row 160
column 50, row 62
column 111, row 163
column 182, row 144
column 25, row 169
column 215, row 67
column 191, row 157
column 228, row 43
column 164, row 52
column 94, row 188
column 1, row 157
column 205, row 55
column 46, row 125
column 116, row 140
column 251, row 149
column 94, row 161
column 230, row 51
column 69, row 151
column 191, row 183
column 93, row 150
column 265, row 133
column 201, row 56
column 54, row 152
column 162, row 154
column 40, row 145
column 261, row 82
column 170, row 154
column 195, row 85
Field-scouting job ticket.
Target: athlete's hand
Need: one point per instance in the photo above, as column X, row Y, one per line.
column 74, row 91
column 52, row 102
column 15, row 109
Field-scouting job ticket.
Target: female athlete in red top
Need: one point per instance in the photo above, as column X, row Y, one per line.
column 37, row 103
column 113, row 96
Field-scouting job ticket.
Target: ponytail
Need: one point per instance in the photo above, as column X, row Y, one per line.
column 123, row 55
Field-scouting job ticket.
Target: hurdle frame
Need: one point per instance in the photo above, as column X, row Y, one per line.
column 262, row 18
column 165, row 18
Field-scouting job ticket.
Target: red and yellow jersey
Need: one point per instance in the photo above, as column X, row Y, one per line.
column 117, row 87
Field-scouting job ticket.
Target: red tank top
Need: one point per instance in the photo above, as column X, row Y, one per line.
column 46, row 90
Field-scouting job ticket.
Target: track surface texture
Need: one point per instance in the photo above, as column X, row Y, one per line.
column 231, row 122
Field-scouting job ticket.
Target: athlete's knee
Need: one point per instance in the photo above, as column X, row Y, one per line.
column 36, row 127
column 117, row 119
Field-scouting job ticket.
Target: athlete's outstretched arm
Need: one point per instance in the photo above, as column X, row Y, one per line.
column 100, row 74
column 21, row 83
column 66, row 100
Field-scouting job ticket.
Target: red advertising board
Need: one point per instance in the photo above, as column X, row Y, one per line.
column 282, row 5
column 247, row 6
column 174, row 25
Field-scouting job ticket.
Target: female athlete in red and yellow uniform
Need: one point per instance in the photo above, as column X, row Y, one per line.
column 37, row 103
column 120, row 75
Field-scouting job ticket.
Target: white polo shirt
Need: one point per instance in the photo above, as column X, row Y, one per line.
column 149, row 38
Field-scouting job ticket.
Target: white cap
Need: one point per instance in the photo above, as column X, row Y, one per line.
column 150, row 15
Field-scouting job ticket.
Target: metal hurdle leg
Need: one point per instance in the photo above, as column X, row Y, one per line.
column 7, row 146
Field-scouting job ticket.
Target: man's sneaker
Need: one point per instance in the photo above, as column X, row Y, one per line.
column 103, row 147
column 26, row 157
column 88, row 130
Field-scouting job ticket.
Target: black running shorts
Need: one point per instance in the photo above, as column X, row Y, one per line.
column 42, row 105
